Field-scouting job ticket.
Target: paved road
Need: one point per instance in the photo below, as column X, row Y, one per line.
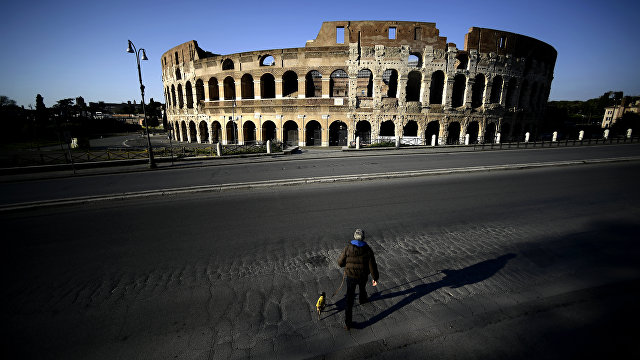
column 537, row 263
column 319, row 164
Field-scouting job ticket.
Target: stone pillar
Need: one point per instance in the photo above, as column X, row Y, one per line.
column 468, row 92
column 466, row 139
column 606, row 134
column 402, row 90
column 278, row 88
column 302, row 88
column 219, row 149
column 239, row 89
column 240, row 130
column 425, row 89
column 526, row 137
column 498, row 135
column 433, row 140
column 268, row 146
column 206, row 92
column 448, row 92
column 326, row 82
column 555, row 136
column 256, row 90
column 357, row 142
column 581, row 135
column 487, row 92
column 221, row 90
column 629, row 131
column 504, row 92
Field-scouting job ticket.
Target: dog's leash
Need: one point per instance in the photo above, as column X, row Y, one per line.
column 344, row 274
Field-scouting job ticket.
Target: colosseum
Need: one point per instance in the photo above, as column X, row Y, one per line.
column 367, row 80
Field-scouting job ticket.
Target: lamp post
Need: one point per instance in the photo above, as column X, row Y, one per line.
column 132, row 49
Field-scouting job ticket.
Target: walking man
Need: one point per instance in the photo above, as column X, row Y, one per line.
column 358, row 260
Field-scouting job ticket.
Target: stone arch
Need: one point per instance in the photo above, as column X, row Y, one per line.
column 462, row 61
column 267, row 86
column 290, row 133
column 173, row 95
column 246, row 86
column 433, row 128
column 410, row 128
column 477, row 91
column 437, row 88
column 216, row 132
column 313, row 84
column 313, row 133
column 459, row 87
column 267, row 60
column 290, row 84
column 249, row 132
column 414, row 60
column 339, row 84
column 490, row 133
column 390, row 79
column 364, row 83
column 338, row 133
column 387, row 128
column 199, row 91
column 227, row 64
column 229, row 88
column 453, row 133
column 414, row 81
column 193, row 132
column 363, row 130
column 204, row 132
column 232, row 132
column 214, row 92
column 180, row 97
column 269, row 131
column 496, row 90
column 473, row 129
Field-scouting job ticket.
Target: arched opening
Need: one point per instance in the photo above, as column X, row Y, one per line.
column 338, row 134
column 490, row 134
column 496, row 90
column 363, row 130
column 267, row 60
column 505, row 132
column 387, row 128
column 214, row 93
column 183, row 131
column 227, row 64
column 176, row 129
column 290, row 84
column 267, row 86
column 313, row 82
column 477, row 91
column 178, row 74
column 364, row 83
column 216, row 132
column 193, row 134
column 229, row 88
column 180, row 97
column 415, row 60
column 473, row 128
column 433, row 128
column 314, row 133
column 204, row 132
column 462, row 61
column 459, row 86
column 523, row 99
column 511, row 91
column 173, row 95
column 414, row 80
column 246, row 86
column 453, row 133
column 199, row 91
column 390, row 79
column 167, row 96
column 290, row 129
column 249, row 132
column 232, row 132
column 176, row 55
column 339, row 84
column 189, row 92
column 268, row 131
column 437, row 88
column 410, row 129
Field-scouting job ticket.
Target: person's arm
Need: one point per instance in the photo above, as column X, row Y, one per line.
column 373, row 268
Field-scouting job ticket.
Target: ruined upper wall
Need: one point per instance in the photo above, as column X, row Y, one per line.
column 370, row 33
column 185, row 52
column 504, row 42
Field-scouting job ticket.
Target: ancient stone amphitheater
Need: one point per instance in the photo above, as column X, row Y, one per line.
column 371, row 80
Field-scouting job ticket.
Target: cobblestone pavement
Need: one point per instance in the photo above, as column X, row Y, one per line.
column 437, row 278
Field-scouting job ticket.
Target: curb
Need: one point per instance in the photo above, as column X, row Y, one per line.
column 301, row 181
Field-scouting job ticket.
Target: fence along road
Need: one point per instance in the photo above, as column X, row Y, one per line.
column 272, row 172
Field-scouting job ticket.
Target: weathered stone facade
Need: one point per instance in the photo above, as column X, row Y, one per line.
column 372, row 79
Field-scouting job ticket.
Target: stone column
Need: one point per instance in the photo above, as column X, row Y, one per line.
column 302, row 89
column 487, row 92
column 256, row 90
column 206, row 92
column 448, row 92
column 326, row 82
column 238, row 89
column 426, row 89
column 221, row 90
column 278, row 88
column 504, row 92
column 239, row 123
column 468, row 92
column 402, row 90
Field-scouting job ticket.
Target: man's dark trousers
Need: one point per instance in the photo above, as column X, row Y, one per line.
column 351, row 294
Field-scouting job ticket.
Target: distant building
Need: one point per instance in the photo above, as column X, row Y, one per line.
column 615, row 113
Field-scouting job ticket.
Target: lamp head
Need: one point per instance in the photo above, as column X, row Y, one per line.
column 129, row 49
column 144, row 55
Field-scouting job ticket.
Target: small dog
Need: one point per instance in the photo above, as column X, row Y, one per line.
column 320, row 304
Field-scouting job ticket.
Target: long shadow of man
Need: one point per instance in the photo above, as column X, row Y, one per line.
column 453, row 278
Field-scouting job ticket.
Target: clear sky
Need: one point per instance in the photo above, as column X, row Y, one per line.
column 66, row 48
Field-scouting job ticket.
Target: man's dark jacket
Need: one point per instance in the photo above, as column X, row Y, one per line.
column 358, row 261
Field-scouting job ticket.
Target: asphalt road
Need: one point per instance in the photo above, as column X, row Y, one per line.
column 217, row 172
column 537, row 263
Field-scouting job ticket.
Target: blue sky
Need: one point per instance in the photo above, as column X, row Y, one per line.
column 70, row 48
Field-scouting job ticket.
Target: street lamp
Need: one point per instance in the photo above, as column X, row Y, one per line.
column 132, row 49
